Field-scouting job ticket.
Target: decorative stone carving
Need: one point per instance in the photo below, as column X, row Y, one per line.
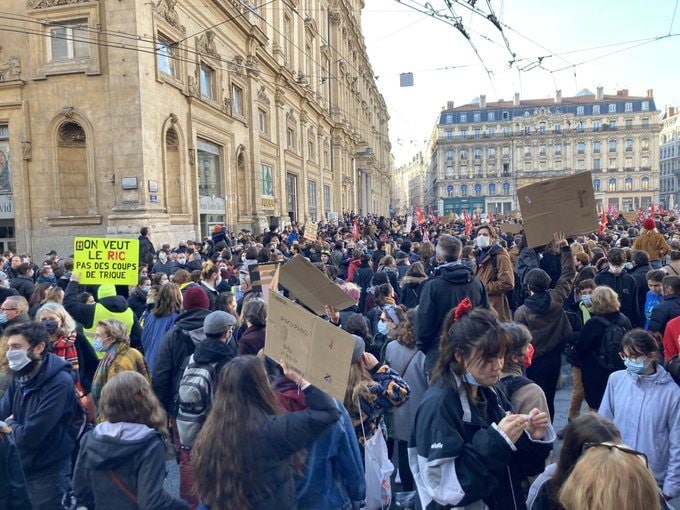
column 68, row 111
column 11, row 70
column 192, row 157
column 262, row 95
column 236, row 65
column 335, row 16
column 26, row 150
column 166, row 10
column 71, row 134
column 253, row 66
column 301, row 78
column 173, row 119
column 279, row 97
column 41, row 4
column 226, row 105
column 193, row 84
column 290, row 117
column 303, row 117
column 206, row 45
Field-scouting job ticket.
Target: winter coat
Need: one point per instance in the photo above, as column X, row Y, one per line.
column 458, row 456
column 137, row 301
column 593, row 376
column 333, row 478
column 212, row 294
column 402, row 269
column 671, row 339
column 653, row 243
column 409, row 295
column 87, row 361
column 23, row 285
column 551, row 263
column 451, row 284
column 639, row 274
column 376, row 257
column 393, row 278
column 624, row 285
column 363, row 277
column 152, row 336
column 136, row 454
column 146, row 251
column 543, row 313
column 498, row 280
column 352, row 266
column 13, row 489
column 652, row 299
column 526, row 261
column 252, row 340
column 42, row 413
column 160, row 267
column 178, row 344
column 410, row 364
column 524, row 398
column 663, row 313
column 387, row 390
column 646, row 410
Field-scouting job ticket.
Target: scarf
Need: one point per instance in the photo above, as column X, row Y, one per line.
column 65, row 348
column 101, row 375
column 389, row 300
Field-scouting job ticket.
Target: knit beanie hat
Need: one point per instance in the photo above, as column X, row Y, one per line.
column 195, row 297
column 649, row 224
column 106, row 290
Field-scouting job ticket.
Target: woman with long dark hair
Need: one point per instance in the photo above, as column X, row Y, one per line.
column 467, row 446
column 243, row 455
column 160, row 320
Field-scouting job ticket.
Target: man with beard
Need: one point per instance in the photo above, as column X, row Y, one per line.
column 39, row 406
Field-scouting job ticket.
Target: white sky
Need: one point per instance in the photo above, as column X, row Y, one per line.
column 399, row 39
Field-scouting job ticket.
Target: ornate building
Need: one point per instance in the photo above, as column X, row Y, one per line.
column 184, row 115
column 669, row 157
column 408, row 185
column 483, row 152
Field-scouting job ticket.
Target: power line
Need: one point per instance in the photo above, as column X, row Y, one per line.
column 675, row 9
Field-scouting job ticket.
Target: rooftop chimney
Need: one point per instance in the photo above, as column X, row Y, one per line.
column 600, row 93
column 482, row 101
column 558, row 96
column 671, row 111
column 622, row 92
column 650, row 92
column 449, row 105
column 515, row 101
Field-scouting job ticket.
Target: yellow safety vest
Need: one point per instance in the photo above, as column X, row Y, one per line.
column 102, row 313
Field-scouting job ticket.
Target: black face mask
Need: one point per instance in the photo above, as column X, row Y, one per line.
column 51, row 325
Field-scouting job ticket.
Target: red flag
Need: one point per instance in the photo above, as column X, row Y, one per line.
column 612, row 211
column 661, row 210
column 489, row 217
column 468, row 223
column 426, row 236
column 640, row 216
column 651, row 213
column 603, row 223
column 355, row 229
column 420, row 217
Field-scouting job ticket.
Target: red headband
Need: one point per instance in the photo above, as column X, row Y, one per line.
column 463, row 308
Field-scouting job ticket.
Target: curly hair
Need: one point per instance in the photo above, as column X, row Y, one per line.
column 405, row 333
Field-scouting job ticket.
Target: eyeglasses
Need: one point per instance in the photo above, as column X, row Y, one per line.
column 7, row 309
column 612, row 446
column 624, row 357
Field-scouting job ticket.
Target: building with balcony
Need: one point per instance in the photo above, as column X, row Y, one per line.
column 669, row 157
column 184, row 115
column 408, row 185
column 483, row 152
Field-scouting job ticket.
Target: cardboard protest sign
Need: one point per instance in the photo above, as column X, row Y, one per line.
column 311, row 229
column 565, row 204
column 630, row 217
column 262, row 278
column 511, row 228
column 409, row 224
column 316, row 349
column 106, row 260
column 311, row 287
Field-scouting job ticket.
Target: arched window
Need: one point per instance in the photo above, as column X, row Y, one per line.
column 645, row 183
column 492, row 189
column 506, row 188
column 628, row 184
column 463, row 190
column 478, row 189
column 612, row 184
column 72, row 170
column 173, row 184
column 596, row 185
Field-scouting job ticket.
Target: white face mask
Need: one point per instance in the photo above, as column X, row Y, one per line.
column 17, row 359
column 482, row 242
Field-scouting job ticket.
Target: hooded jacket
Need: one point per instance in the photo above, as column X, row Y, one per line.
column 653, row 243
column 13, row 490
column 498, row 279
column 646, row 409
column 178, row 344
column 410, row 290
column 84, row 312
column 43, row 410
column 137, row 301
column 625, row 287
column 543, row 313
column 146, row 251
column 663, row 313
column 639, row 274
column 451, row 283
column 134, row 452
column 23, row 285
column 252, row 340
column 153, row 333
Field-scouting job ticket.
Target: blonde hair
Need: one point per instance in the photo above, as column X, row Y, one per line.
column 115, row 330
column 605, row 300
column 606, row 477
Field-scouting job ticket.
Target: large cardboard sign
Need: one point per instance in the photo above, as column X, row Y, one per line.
column 311, row 287
column 630, row 217
column 314, row 348
column 511, row 228
column 565, row 204
column 106, row 260
column 264, row 278
column 311, row 229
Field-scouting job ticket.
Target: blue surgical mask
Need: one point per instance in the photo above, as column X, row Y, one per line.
column 3, row 318
column 98, row 344
column 585, row 299
column 382, row 327
column 635, row 366
column 471, row 380
column 146, row 288
column 181, row 262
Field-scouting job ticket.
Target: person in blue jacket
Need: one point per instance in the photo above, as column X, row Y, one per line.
column 40, row 406
column 13, row 490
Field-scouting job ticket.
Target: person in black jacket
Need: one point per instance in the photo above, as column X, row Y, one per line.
column 467, row 448
column 411, row 285
column 146, row 250
column 137, row 301
column 363, row 276
column 669, row 308
column 451, row 283
column 123, row 458
column 23, row 283
column 39, row 406
column 250, row 467
column 13, row 491
column 641, row 267
column 623, row 284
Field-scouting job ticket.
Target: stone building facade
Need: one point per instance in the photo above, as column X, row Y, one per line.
column 184, row 115
column 483, row 152
column 669, row 157
column 408, row 185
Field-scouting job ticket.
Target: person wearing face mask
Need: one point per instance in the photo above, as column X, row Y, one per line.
column 5, row 290
column 137, row 300
column 495, row 271
column 180, row 263
column 643, row 401
column 468, row 448
column 23, row 283
column 39, row 406
column 14, row 310
column 669, row 308
column 210, row 279
column 616, row 277
column 111, row 339
column 163, row 263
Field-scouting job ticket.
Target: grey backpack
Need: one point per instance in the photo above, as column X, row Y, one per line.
column 193, row 399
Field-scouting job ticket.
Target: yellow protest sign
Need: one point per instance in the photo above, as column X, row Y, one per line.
column 106, row 260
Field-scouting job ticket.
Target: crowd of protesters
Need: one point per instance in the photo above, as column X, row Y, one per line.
column 460, row 332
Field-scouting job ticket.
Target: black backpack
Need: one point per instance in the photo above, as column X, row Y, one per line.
column 607, row 352
column 510, row 384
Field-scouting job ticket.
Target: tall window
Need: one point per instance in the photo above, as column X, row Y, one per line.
column 557, row 148
column 478, row 133
column 291, row 195
column 463, row 190
column 288, row 35
column 449, row 172
column 290, row 139
column 506, row 188
column 579, row 110
column 644, row 106
column 491, row 152
column 596, row 185
column 596, row 109
column 596, row 164
column 449, row 118
column 644, row 183
column 449, row 134
column 463, row 117
column 262, row 123
column 580, row 147
column 237, row 100
column 267, row 180
column 612, row 145
column 628, row 184
column 596, row 125
column 166, row 56
column 492, row 189
column 209, row 168
column 628, row 144
column 327, row 199
column 449, row 154
column 596, row 146
column 478, row 153
column 477, row 117
column 478, row 190
column 628, row 107
column 311, row 191
column 68, row 41
column 612, row 108
column 612, row 184
column 207, row 81
column 644, row 144
column 491, row 116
